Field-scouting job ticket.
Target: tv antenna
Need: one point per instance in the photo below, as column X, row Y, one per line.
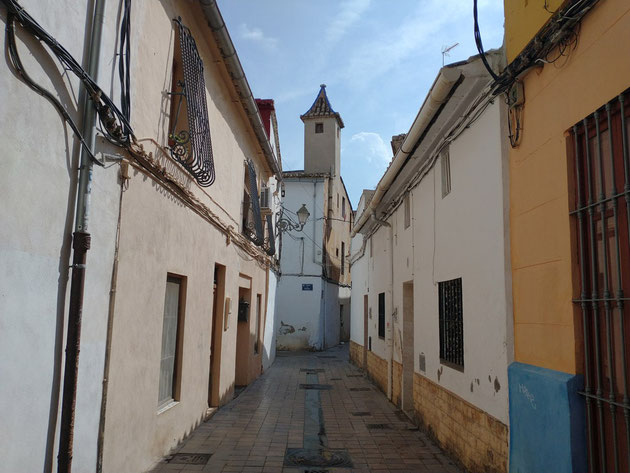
column 446, row 50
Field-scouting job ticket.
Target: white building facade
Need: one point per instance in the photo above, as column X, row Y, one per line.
column 180, row 279
column 431, row 319
column 313, row 295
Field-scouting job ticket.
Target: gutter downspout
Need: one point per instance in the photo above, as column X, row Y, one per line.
column 390, row 341
column 261, row 331
column 326, row 189
column 438, row 94
column 315, row 226
column 228, row 52
column 80, row 245
column 108, row 341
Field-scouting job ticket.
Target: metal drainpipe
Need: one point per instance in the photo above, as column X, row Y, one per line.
column 390, row 365
column 108, row 343
column 80, row 246
column 324, row 262
column 314, row 224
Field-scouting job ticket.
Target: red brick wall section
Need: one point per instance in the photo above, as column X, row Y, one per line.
column 477, row 440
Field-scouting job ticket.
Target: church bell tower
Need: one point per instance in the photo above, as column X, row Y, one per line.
column 322, row 137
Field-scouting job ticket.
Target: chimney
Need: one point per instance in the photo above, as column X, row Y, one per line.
column 265, row 107
column 397, row 141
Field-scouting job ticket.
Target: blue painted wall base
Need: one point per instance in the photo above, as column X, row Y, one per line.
column 547, row 425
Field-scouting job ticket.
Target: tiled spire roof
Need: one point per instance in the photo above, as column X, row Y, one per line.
column 321, row 107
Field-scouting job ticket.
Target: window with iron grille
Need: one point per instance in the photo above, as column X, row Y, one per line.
column 189, row 131
column 252, row 225
column 381, row 315
column 451, row 322
column 271, row 238
column 599, row 163
column 258, row 319
column 343, row 257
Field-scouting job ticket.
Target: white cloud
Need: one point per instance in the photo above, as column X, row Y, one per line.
column 256, row 35
column 349, row 14
column 364, row 158
column 368, row 147
column 423, row 31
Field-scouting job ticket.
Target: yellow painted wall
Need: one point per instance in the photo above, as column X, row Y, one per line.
column 557, row 96
column 523, row 19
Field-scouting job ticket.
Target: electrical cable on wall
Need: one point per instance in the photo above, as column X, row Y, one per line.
column 112, row 120
column 124, row 59
column 16, row 63
column 479, row 44
column 561, row 32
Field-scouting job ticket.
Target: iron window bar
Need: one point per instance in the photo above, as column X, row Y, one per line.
column 451, row 322
column 601, row 166
column 192, row 147
column 270, row 241
column 381, row 315
column 254, row 227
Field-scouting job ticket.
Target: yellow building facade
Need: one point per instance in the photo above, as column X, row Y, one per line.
column 586, row 69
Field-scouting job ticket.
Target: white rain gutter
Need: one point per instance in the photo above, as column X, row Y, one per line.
column 228, row 52
column 438, row 94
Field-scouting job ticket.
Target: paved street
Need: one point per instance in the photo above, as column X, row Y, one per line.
column 307, row 409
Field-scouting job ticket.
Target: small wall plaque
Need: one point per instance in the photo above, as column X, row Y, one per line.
column 307, row 287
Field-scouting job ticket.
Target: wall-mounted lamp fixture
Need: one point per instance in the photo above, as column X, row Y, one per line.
column 284, row 224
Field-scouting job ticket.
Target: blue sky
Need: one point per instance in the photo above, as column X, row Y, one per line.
column 378, row 59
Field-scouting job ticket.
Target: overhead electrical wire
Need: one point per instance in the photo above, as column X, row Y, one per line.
column 124, row 59
column 114, row 122
column 16, row 63
column 561, row 32
column 479, row 44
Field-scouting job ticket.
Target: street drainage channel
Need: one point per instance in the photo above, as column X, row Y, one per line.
column 315, row 452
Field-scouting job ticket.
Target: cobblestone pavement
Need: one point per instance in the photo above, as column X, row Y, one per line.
column 315, row 407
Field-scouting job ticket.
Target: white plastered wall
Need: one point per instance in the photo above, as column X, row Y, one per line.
column 269, row 333
column 38, row 178
column 462, row 235
column 299, row 307
column 360, row 254
column 160, row 235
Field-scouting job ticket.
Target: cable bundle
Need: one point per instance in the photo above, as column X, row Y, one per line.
column 113, row 122
column 124, row 58
column 479, row 44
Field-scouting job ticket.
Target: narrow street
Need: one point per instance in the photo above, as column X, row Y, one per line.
column 306, row 408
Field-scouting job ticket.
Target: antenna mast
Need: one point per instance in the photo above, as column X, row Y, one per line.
column 446, row 50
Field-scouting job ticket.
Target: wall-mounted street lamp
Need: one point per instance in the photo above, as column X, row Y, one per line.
column 284, row 224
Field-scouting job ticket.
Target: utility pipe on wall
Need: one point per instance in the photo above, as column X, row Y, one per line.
column 80, row 245
column 438, row 94
column 108, row 340
column 314, row 224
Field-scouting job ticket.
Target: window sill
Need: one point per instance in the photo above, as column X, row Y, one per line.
column 452, row 365
column 167, row 406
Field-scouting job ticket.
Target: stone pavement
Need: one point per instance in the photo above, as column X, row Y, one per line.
column 317, row 408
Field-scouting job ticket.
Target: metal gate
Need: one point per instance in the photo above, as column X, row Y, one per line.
column 598, row 151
